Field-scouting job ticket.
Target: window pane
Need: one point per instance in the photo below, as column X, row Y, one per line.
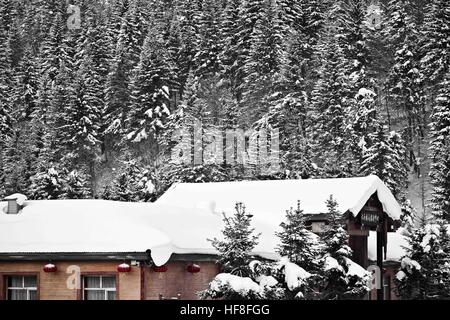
column 94, row 295
column 108, row 282
column 92, row 282
column 15, row 282
column 111, row 295
column 33, row 294
column 30, row 282
column 14, row 294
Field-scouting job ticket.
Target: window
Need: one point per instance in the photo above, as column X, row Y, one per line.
column 99, row 287
column 21, row 287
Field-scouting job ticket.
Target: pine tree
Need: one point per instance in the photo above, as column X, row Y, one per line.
column 289, row 116
column 125, row 59
column 330, row 100
column 385, row 161
column 206, row 59
column 24, row 95
column 230, row 54
column 424, row 270
column 151, row 83
column 250, row 12
column 405, row 78
column 263, row 63
column 440, row 153
column 76, row 185
column 298, row 244
column 340, row 280
column 435, row 41
column 5, row 84
column 238, row 242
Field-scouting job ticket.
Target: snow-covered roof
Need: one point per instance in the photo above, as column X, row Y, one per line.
column 269, row 199
column 100, row 226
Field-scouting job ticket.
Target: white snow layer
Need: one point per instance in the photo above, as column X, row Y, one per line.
column 294, row 275
column 269, row 199
column 20, row 198
column 332, row 264
column 238, row 284
column 355, row 269
column 96, row 226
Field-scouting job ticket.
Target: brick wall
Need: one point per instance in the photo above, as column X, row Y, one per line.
column 53, row 286
column 178, row 281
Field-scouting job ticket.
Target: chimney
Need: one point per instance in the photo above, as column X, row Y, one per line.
column 13, row 206
column 15, row 203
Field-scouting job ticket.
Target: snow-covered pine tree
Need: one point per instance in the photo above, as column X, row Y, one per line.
column 289, row 116
column 405, row 79
column 341, row 277
column 263, row 62
column 301, row 246
column 424, row 270
column 206, row 59
column 434, row 40
column 385, row 160
column 229, row 54
column 5, row 84
column 238, row 242
column 125, row 58
column 440, row 152
column 16, row 156
column 76, row 185
column 150, row 89
column 250, row 12
column 25, row 89
column 82, row 116
column 329, row 104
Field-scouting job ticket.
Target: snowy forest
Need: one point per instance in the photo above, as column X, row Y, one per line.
column 356, row 87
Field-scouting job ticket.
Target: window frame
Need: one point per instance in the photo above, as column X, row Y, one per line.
column 83, row 275
column 4, row 284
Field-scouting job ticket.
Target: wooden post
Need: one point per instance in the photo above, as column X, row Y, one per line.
column 380, row 262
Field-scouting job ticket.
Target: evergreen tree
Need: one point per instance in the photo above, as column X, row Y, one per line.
column 24, row 96
column 207, row 57
column 125, row 58
column 5, row 84
column 341, row 277
column 440, row 153
column 76, row 185
column 151, row 83
column 424, row 270
column 330, row 100
column 298, row 244
column 262, row 65
column 435, row 41
column 238, row 242
column 289, row 116
column 386, row 161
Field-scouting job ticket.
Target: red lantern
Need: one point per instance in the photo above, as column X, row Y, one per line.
column 160, row 269
column 124, row 267
column 50, row 268
column 193, row 268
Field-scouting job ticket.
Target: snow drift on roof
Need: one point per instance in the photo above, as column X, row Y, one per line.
column 99, row 226
column 269, row 199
